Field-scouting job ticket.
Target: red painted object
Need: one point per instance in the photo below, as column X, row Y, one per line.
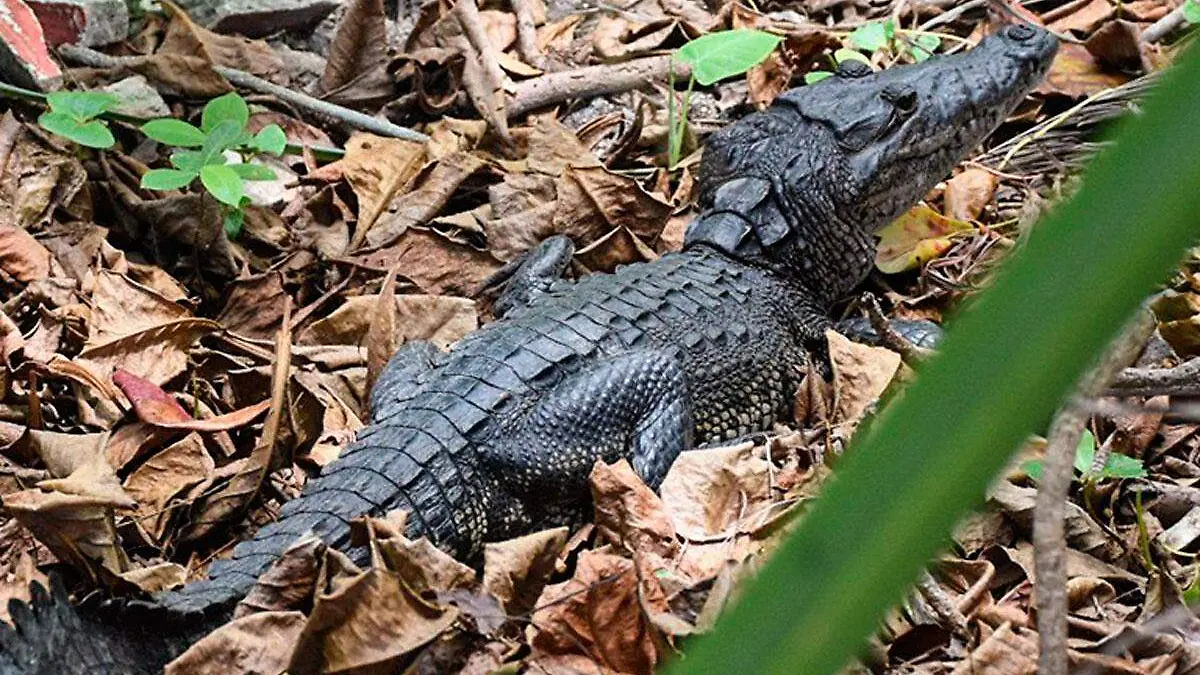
column 82, row 22
column 24, row 57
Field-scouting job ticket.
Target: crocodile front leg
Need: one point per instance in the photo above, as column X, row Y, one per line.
column 635, row 406
column 531, row 275
column 398, row 380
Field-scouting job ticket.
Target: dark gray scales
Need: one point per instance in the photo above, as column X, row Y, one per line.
column 496, row 437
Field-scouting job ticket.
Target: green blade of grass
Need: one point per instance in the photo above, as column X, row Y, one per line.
column 1005, row 367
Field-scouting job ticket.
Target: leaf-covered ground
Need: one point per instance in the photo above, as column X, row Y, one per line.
column 167, row 388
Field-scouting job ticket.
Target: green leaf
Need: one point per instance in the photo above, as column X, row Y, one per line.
column 844, row 54
column 1034, row 468
column 229, row 108
column 1085, row 453
column 81, row 106
column 1123, row 466
column 167, row 179
column 1004, row 368
column 923, row 46
column 271, row 140
column 1191, row 11
column 223, row 137
column 188, row 160
column 171, row 131
column 252, row 171
column 223, row 183
column 717, row 56
column 816, row 76
column 233, row 221
column 870, row 37
column 93, row 133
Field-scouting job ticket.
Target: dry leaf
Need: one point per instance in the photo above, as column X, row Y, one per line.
column 594, row 201
column 861, row 374
column 290, row 581
column 356, row 71
column 15, row 576
column 709, row 492
column 185, row 38
column 1075, row 73
column 122, row 307
column 157, row 578
column 156, row 354
column 515, row 571
column 160, row 479
column 1085, row 19
column 598, row 614
column 435, row 264
column 255, row 306
column 437, row 318
column 628, row 513
column 915, row 238
column 377, row 169
column 432, row 190
column 968, row 192
column 258, row 644
column 21, row 256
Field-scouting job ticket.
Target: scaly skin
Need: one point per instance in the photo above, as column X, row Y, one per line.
column 496, row 437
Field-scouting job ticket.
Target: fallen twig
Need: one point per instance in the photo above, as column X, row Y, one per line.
column 526, row 32
column 491, row 103
column 1049, row 533
column 889, row 337
column 95, row 59
column 553, row 88
column 1164, row 26
column 1180, row 380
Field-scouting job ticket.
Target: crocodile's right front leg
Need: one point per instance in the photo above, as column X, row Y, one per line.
column 531, row 275
column 635, row 406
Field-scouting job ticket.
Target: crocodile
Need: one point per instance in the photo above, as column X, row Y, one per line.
column 496, row 437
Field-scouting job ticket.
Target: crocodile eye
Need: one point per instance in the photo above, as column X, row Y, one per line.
column 903, row 98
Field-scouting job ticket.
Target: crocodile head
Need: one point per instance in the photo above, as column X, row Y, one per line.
column 829, row 163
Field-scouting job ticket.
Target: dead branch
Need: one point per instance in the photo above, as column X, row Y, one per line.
column 1164, row 26
column 612, row 78
column 240, row 78
column 1180, row 380
column 526, row 32
column 492, row 103
column 1049, row 532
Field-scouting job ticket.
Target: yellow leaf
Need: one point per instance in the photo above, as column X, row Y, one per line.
column 914, row 238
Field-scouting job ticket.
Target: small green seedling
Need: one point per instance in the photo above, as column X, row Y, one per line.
column 713, row 57
column 201, row 153
column 1191, row 11
column 881, row 36
column 73, row 114
column 1117, row 465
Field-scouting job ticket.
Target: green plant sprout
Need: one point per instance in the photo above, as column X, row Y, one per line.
column 712, row 57
column 1116, row 466
column 73, row 114
column 202, row 152
column 1191, row 12
column 882, row 37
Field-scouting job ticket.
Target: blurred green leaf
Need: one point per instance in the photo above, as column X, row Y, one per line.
column 1085, row 453
column 93, row 133
column 816, row 76
column 222, row 137
column 223, row 183
column 846, row 54
column 1191, row 11
column 924, row 45
column 188, row 160
column 717, row 56
column 167, row 179
column 171, row 131
column 252, row 171
column 233, row 221
column 229, row 108
column 271, row 140
column 870, row 37
column 81, row 106
column 1006, row 364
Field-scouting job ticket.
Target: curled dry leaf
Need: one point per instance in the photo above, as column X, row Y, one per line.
column 915, row 238
column 594, row 201
column 364, row 620
column 290, row 581
column 435, row 264
column 598, row 614
column 255, row 306
column 431, row 192
column 150, row 403
column 157, row 578
column 380, row 333
column 356, row 72
column 123, row 307
column 861, row 373
column 160, row 479
column 156, row 354
column 968, row 192
column 619, row 247
column 515, row 571
column 75, row 518
column 185, row 38
column 21, row 256
column 628, row 513
column 258, row 644
column 437, row 318
column 377, row 168
column 1075, row 73
column 233, row 497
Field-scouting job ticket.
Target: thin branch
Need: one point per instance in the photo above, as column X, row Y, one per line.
column 1164, row 26
column 526, row 32
column 1049, row 533
column 1180, row 380
column 95, row 59
column 889, row 337
column 554, row 88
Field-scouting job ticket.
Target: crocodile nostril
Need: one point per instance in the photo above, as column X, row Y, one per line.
column 1020, row 32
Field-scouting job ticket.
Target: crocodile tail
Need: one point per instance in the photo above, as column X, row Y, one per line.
column 50, row 636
